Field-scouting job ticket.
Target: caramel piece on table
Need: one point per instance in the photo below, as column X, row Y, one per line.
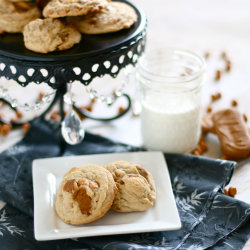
column 5, row 129
column 217, row 75
column 234, row 103
column 232, row 191
column 209, row 109
column 245, row 117
column 215, row 97
column 232, row 132
column 25, row 127
column 228, row 66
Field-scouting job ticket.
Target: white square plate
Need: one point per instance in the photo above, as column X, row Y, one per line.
column 48, row 173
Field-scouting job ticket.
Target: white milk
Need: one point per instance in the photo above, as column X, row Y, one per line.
column 170, row 126
column 171, row 85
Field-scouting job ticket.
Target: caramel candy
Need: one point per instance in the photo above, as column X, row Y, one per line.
column 5, row 128
column 232, row 132
column 232, row 191
column 217, row 75
column 79, row 194
column 26, row 127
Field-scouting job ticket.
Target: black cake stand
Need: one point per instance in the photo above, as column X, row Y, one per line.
column 94, row 56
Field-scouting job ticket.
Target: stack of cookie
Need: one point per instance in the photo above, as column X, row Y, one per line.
column 57, row 24
column 88, row 192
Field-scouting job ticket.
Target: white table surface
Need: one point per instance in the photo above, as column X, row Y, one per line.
column 200, row 26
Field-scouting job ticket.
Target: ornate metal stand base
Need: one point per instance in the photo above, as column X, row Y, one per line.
column 95, row 56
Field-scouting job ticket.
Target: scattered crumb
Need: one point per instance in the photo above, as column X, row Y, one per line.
column 217, row 75
column 121, row 110
column 40, row 96
column 25, row 127
column 245, row 117
column 93, row 100
column 234, row 103
column 203, row 144
column 5, row 128
column 231, row 191
column 19, row 114
column 89, row 108
column 209, row 109
column 228, row 66
column 216, row 97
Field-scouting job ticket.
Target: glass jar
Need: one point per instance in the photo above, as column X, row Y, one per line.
column 170, row 85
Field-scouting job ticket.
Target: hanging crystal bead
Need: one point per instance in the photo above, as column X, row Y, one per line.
column 72, row 129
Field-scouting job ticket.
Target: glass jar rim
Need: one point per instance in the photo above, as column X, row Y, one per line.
column 143, row 69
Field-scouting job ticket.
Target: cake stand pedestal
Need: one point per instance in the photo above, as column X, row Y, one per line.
column 95, row 56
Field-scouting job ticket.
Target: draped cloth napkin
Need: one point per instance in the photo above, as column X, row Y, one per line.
column 210, row 220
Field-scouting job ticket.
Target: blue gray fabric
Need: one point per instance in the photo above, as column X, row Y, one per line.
column 210, row 220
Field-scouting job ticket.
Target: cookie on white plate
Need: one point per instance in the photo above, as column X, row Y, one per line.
column 136, row 187
column 85, row 194
column 115, row 17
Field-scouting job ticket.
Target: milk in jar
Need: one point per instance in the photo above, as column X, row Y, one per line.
column 171, row 100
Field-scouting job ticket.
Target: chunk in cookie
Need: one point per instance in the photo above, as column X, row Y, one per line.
column 115, row 17
column 62, row 8
column 85, row 194
column 136, row 187
column 15, row 15
column 47, row 35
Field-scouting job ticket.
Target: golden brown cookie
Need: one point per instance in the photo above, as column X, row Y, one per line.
column 61, row 8
column 15, row 15
column 232, row 132
column 47, row 35
column 136, row 188
column 115, row 17
column 85, row 194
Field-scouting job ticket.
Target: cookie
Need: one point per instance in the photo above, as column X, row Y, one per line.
column 47, row 35
column 20, row 1
column 62, row 8
column 136, row 188
column 15, row 15
column 115, row 17
column 85, row 194
column 232, row 132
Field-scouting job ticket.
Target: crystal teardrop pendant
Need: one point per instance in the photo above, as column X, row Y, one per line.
column 72, row 129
